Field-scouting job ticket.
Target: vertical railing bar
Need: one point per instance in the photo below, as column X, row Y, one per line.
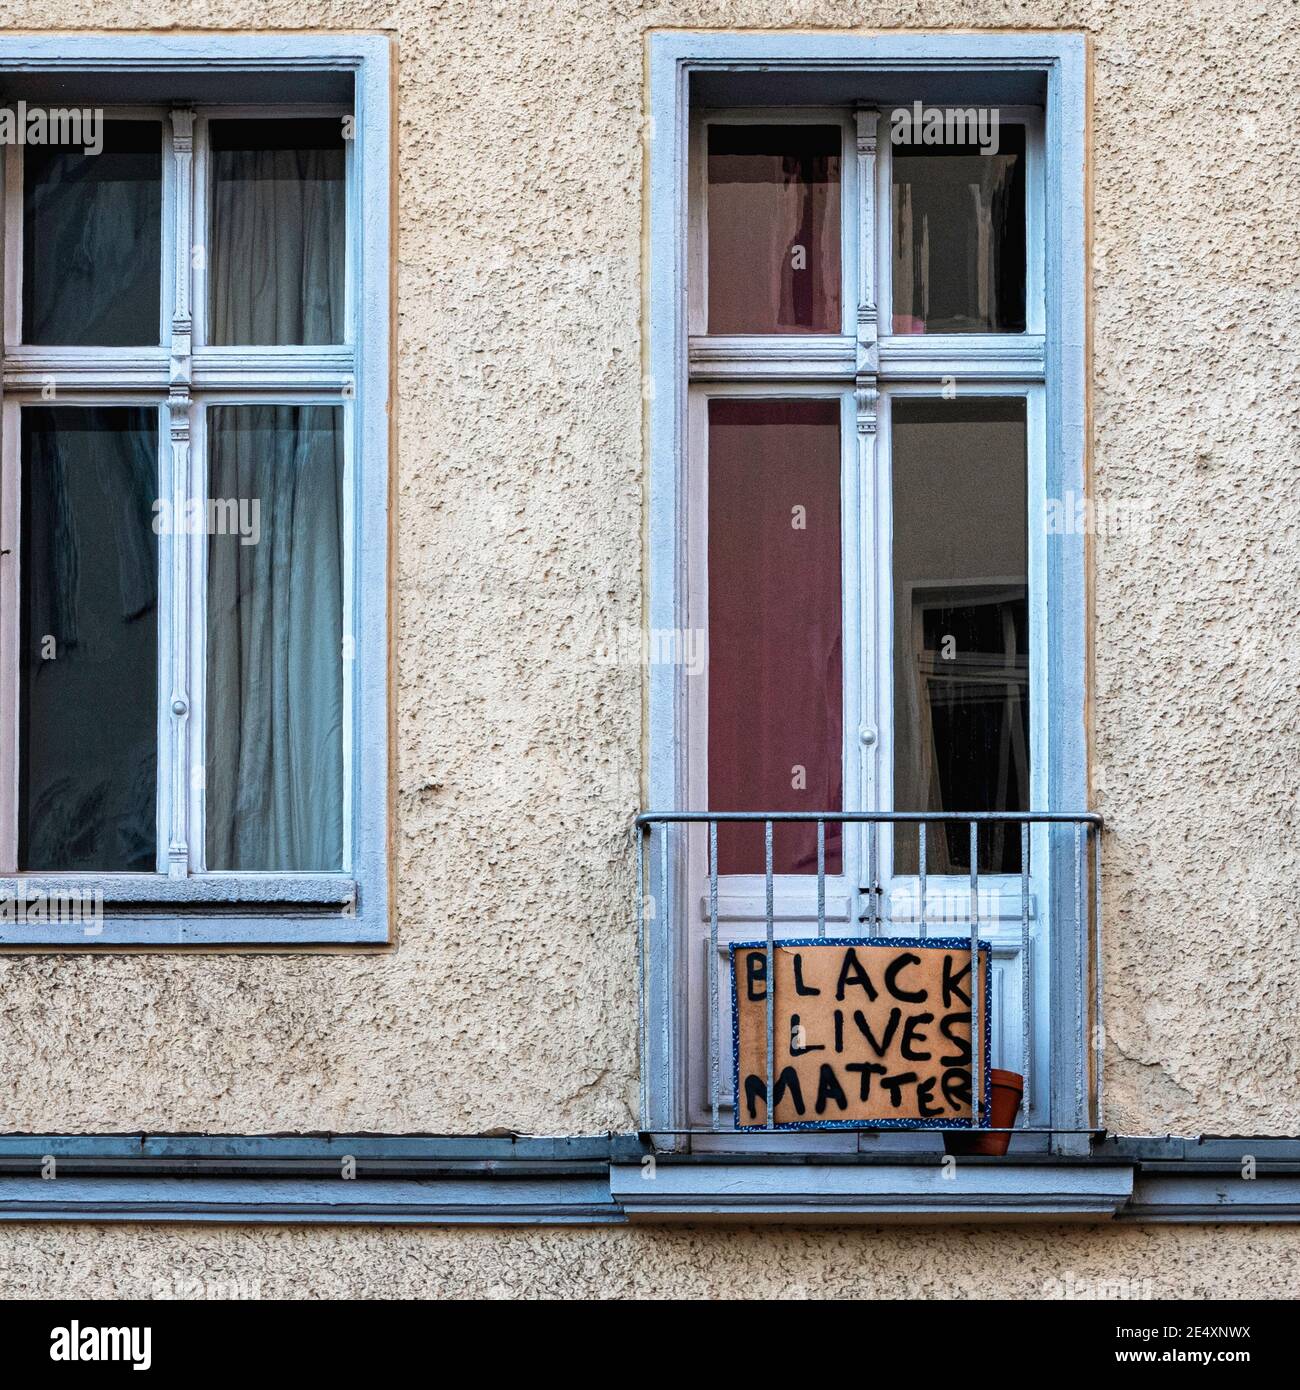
column 821, row 877
column 1098, row 994
column 1025, row 999
column 771, row 973
column 666, row 1030
column 714, row 1043
column 976, row 993
column 873, row 886
column 922, row 851
column 643, row 1059
column 1080, row 957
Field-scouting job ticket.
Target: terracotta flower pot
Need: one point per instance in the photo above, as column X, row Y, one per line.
column 1006, row 1087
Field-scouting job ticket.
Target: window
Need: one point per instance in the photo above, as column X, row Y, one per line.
column 877, row 387
column 193, row 495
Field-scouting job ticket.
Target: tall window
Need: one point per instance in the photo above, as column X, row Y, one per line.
column 182, row 651
column 866, row 471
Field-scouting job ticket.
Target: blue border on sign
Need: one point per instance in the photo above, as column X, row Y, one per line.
column 935, row 943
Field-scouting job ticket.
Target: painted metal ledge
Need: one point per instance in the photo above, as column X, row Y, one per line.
column 615, row 1179
column 876, row 1193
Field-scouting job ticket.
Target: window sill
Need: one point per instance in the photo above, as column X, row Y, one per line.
column 876, row 1193
column 246, row 909
column 609, row 1179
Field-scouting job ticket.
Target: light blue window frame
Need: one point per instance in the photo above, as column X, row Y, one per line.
column 1059, row 62
column 177, row 907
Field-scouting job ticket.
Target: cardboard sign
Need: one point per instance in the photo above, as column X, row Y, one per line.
column 868, row 1032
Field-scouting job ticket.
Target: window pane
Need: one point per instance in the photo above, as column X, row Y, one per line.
column 92, row 240
column 774, row 229
column 961, row 624
column 88, row 670
column 274, row 788
column 775, row 661
column 959, row 236
column 277, row 232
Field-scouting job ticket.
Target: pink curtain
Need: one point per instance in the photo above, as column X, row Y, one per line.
column 775, row 655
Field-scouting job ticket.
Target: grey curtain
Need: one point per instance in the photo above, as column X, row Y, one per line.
column 277, row 237
column 92, row 238
column 274, row 777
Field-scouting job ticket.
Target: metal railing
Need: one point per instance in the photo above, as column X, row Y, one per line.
column 1067, row 873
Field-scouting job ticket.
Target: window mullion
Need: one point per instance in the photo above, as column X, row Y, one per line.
column 865, row 741
column 174, row 759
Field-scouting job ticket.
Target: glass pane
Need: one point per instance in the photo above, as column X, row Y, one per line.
column 775, row 656
column 961, row 624
column 959, row 236
column 88, row 669
column 92, row 240
column 276, row 232
column 774, row 229
column 275, row 638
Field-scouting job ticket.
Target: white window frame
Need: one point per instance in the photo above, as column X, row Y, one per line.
column 182, row 903
column 866, row 366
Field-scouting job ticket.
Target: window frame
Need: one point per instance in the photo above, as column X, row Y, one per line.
column 181, row 903
column 680, row 358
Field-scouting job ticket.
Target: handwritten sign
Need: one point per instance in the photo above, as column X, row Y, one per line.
column 867, row 1032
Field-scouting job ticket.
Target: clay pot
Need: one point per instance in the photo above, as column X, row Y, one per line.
column 1006, row 1088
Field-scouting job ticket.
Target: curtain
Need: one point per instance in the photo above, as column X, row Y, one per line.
column 277, row 233
column 274, row 778
column 92, row 229
column 87, row 784
column 774, row 229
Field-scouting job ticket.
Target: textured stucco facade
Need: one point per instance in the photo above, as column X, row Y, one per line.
column 507, row 1001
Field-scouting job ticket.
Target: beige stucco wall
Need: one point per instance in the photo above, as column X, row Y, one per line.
column 1053, row 1262
column 518, row 544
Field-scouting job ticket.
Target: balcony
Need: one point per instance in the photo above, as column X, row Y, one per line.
column 1019, row 892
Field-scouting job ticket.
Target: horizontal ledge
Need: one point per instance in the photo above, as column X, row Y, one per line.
column 974, row 1192
column 536, row 1180
column 542, row 1200
column 279, row 927
column 139, row 890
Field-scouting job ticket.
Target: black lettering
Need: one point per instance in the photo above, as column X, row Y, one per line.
column 962, row 1044
column 955, row 1086
column 896, row 967
column 912, row 1034
column 950, row 985
column 867, row 1070
column 859, row 977
column 756, row 1091
column 795, row 1030
column 894, row 1085
column 891, row 1028
column 799, row 986
column 828, row 1088
column 755, row 970
column 924, row 1095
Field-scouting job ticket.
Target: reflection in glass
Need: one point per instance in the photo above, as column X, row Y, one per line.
column 775, row 659
column 274, row 788
column 277, row 232
column 959, row 236
column 88, row 669
column 774, row 229
column 92, row 240
column 961, row 624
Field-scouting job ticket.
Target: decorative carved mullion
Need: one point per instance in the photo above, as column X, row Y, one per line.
column 867, row 366
column 178, row 405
